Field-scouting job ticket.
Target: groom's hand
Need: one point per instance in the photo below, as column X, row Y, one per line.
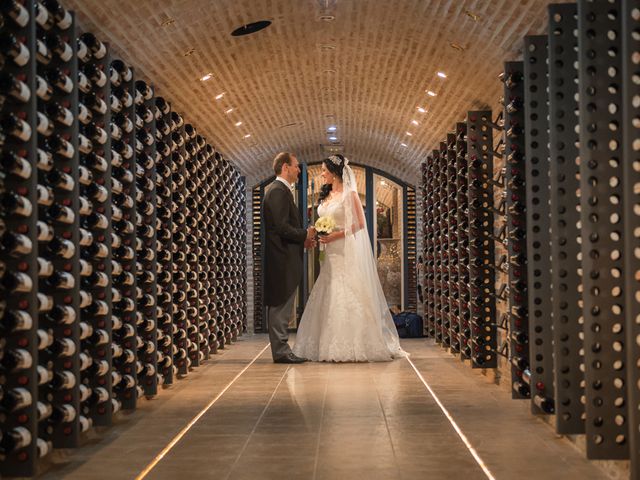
column 311, row 234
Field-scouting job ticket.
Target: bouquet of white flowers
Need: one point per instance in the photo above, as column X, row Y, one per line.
column 325, row 225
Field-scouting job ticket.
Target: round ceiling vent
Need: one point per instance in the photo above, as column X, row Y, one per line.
column 250, row 28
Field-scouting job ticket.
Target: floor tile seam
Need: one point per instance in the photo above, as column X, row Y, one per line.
column 324, row 398
column 151, row 465
column 266, row 407
column 386, row 424
column 480, row 462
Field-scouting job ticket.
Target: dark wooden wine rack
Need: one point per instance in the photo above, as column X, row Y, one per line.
column 603, row 229
column 93, row 232
column 23, row 300
column 630, row 112
column 537, row 167
column 481, row 251
column 566, row 233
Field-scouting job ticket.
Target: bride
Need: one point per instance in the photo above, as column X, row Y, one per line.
column 346, row 318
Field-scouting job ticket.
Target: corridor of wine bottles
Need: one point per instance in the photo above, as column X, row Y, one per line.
column 493, row 146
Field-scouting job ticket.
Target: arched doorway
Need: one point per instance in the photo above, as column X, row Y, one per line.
column 390, row 209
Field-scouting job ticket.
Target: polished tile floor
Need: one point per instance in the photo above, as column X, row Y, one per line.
column 328, row 421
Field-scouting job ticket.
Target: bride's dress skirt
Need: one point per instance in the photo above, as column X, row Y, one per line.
column 345, row 319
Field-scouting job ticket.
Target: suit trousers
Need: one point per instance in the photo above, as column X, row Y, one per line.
column 278, row 324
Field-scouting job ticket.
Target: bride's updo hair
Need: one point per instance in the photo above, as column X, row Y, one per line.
column 335, row 164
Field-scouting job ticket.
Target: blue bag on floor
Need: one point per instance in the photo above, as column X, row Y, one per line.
column 408, row 324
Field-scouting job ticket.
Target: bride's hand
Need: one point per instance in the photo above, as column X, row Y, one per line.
column 332, row 237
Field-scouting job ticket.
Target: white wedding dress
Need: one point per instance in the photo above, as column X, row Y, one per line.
column 346, row 318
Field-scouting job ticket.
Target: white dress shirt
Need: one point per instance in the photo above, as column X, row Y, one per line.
column 289, row 185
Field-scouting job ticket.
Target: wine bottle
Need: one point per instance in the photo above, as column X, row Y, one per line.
column 11, row 86
column 58, row 79
column 59, row 46
column 60, row 14
column 59, row 113
column 15, row 126
column 44, row 91
column 14, row 49
column 15, row 164
column 15, row 11
column 97, row 48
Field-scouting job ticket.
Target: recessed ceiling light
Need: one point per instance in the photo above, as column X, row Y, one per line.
column 415, row 122
column 421, row 110
column 457, row 46
column 206, row 77
column 189, row 52
column 238, row 124
column 247, row 135
column 228, row 110
column 403, row 144
column 442, row 75
column 431, row 94
column 218, row 97
column 327, row 18
column 167, row 21
column 410, row 134
column 331, row 129
column 333, row 138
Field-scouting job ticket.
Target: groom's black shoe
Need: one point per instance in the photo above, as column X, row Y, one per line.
column 290, row 358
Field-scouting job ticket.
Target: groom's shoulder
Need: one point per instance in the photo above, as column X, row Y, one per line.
column 275, row 185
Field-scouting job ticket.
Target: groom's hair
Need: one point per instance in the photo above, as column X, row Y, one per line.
column 280, row 160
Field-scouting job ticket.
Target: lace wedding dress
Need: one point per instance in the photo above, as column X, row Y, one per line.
column 346, row 318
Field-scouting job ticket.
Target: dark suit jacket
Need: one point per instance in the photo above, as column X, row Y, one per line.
column 284, row 244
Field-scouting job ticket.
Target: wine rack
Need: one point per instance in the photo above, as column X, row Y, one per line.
column 192, row 266
column 179, row 248
column 571, row 203
column 539, row 265
column 256, row 249
column 97, row 221
column 440, row 242
column 124, row 250
column 564, row 179
column 445, row 303
column 462, row 200
column 19, row 227
column 60, row 180
column 430, row 253
column 630, row 47
column 453, row 320
column 483, row 342
column 167, row 144
column 411, row 249
column 514, row 125
column 93, row 237
column 603, row 228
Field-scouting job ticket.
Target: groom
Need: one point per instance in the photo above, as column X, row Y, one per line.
column 284, row 246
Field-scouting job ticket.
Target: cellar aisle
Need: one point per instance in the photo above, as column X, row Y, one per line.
column 329, row 421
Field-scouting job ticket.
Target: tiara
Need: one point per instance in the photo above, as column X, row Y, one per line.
column 336, row 160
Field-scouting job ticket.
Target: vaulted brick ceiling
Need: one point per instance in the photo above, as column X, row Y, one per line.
column 361, row 65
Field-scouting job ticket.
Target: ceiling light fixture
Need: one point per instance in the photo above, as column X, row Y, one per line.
column 415, row 122
column 247, row 135
column 238, row 124
column 228, row 110
column 250, row 28
column 431, row 94
column 442, row 75
column 422, row 110
column 189, row 52
column 206, row 77
column 331, row 129
column 410, row 134
column 218, row 97
column 333, row 138
column 403, row 144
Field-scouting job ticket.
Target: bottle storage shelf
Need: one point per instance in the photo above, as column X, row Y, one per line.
column 547, row 280
column 122, row 237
